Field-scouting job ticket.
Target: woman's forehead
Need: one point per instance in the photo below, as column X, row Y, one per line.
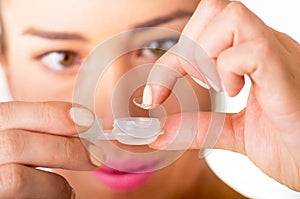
column 91, row 18
column 97, row 9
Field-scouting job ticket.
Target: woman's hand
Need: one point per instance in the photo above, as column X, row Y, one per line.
column 39, row 135
column 268, row 129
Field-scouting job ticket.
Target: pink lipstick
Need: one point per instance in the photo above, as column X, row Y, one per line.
column 131, row 178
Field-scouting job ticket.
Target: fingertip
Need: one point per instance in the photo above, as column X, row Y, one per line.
column 235, row 86
column 232, row 83
column 160, row 143
column 97, row 156
column 82, row 117
column 159, row 94
column 153, row 96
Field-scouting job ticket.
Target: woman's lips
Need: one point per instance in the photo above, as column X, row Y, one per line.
column 124, row 181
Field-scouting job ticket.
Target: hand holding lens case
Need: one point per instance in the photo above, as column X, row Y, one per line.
column 138, row 131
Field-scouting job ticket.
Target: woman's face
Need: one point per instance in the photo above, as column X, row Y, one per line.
column 46, row 43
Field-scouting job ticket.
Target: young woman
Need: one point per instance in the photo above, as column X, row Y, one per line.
column 44, row 44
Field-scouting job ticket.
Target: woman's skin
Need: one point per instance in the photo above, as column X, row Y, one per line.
column 45, row 43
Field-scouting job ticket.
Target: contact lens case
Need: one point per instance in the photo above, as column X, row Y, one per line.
column 136, row 131
column 132, row 130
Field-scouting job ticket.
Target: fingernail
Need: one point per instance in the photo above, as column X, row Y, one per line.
column 82, row 117
column 145, row 101
column 213, row 84
column 97, row 156
column 147, row 97
column 203, row 153
column 201, row 83
column 225, row 91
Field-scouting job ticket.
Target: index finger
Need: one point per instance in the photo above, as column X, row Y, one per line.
column 214, row 130
column 48, row 117
column 161, row 81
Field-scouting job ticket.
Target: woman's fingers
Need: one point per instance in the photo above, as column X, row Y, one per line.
column 222, row 134
column 18, row 181
column 236, row 61
column 273, row 73
column 45, row 150
column 36, row 134
column 48, row 117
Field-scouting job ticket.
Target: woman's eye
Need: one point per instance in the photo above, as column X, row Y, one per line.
column 60, row 60
column 156, row 49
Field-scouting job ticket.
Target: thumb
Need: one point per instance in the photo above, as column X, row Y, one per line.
column 202, row 130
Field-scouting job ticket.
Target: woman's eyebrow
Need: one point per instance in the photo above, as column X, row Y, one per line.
column 53, row 35
column 164, row 19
